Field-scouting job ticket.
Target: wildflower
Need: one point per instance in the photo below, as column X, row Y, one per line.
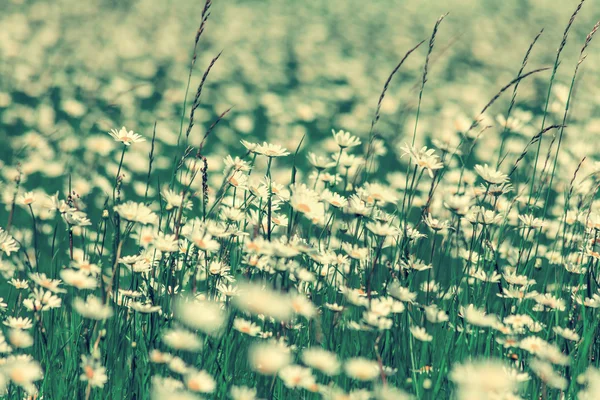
column 322, row 360
column 180, row 339
column 4, row 346
column 435, row 224
column 205, row 316
column 514, row 279
column 136, row 212
column 435, row 315
column 477, row 317
column 491, row 176
column 145, row 308
column 480, row 274
column 126, row 137
column 547, row 374
column 23, row 373
column 86, row 266
column 141, row 266
column 242, row 393
column 566, row 333
column 20, row 339
column 169, row 388
column 200, row 381
column 76, row 218
column 27, row 198
column 415, row 264
column 423, row 158
column 334, row 199
column 18, row 283
column 529, row 221
column 376, row 192
column 250, row 146
column 334, row 307
column 268, row 358
column 519, row 321
column 92, row 308
column 279, row 220
column 93, row 372
column 40, row 300
column 319, row 162
column 302, row 306
column 357, row 206
column 235, row 164
column 421, row 334
column 226, row 289
column 18, row 323
column 479, row 215
column 294, row 376
column 431, row 286
column 238, row 179
column 47, row 283
column 550, row 301
column 483, row 380
column 78, row 279
column 361, row 368
column 271, row 150
column 379, row 229
column 305, row 202
column 344, row 139
column 591, row 377
column 159, row 357
column 356, row 252
column 533, row 344
column 356, row 297
column 413, row 234
column 245, row 326
column 232, row 214
column 165, row 242
column 458, row 204
column 593, row 302
column 518, row 293
column 7, row 243
column 401, row 293
column 326, row 177
column 204, row 241
column 257, row 300
column 391, row 393
column 175, row 200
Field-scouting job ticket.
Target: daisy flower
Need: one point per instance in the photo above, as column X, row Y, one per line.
column 269, row 358
column 319, row 162
column 423, row 158
column 361, row 369
column 345, row 139
column 18, row 323
column 491, row 175
column 136, row 212
column 271, row 150
column 321, row 359
column 7, row 243
column 93, row 372
column 421, row 334
column 296, row 376
column 92, row 308
column 180, row 339
column 200, row 381
column 126, row 137
column 245, row 326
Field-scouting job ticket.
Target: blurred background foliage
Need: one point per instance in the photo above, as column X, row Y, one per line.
column 71, row 70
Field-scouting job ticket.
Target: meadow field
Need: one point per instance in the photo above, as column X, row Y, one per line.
column 280, row 199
